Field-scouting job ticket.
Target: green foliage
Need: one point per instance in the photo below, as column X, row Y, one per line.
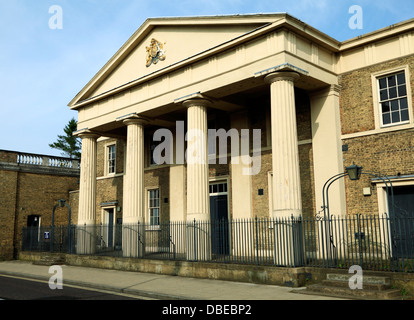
column 68, row 143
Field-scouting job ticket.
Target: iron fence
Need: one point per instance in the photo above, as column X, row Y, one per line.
column 373, row 242
column 49, row 239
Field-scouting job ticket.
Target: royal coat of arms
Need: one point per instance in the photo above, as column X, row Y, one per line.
column 155, row 52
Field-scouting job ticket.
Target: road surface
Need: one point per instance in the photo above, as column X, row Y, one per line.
column 14, row 288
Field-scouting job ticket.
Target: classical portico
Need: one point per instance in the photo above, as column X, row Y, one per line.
column 242, row 67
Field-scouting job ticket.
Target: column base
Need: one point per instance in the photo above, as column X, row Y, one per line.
column 133, row 237
column 86, row 239
column 289, row 248
column 133, row 240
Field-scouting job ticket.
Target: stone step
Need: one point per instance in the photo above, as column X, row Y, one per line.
column 345, row 284
column 367, row 279
column 50, row 260
column 365, row 286
column 337, row 285
column 344, row 292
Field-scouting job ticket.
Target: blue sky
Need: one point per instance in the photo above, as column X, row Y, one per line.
column 42, row 69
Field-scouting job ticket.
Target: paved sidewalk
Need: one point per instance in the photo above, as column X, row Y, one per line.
column 160, row 287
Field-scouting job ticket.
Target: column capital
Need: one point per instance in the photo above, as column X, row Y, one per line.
column 194, row 99
column 136, row 120
column 200, row 102
column 133, row 118
column 86, row 134
column 282, row 76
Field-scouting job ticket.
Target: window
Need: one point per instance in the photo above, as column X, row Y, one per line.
column 111, row 159
column 393, row 99
column 154, row 207
column 215, row 188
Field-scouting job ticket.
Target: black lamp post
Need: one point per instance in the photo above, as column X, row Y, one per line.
column 354, row 173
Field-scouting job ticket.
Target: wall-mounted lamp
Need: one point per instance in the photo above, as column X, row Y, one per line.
column 61, row 203
column 354, row 172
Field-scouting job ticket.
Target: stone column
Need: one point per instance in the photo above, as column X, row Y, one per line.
column 87, row 195
column 198, row 198
column 133, row 195
column 287, row 200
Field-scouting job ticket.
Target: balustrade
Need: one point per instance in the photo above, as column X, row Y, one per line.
column 29, row 159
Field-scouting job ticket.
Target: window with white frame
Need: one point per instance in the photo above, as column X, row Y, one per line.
column 218, row 188
column 393, row 99
column 111, row 156
column 154, row 207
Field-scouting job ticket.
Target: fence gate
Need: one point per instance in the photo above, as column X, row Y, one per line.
column 57, row 239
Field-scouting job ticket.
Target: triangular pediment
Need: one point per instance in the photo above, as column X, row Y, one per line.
column 164, row 42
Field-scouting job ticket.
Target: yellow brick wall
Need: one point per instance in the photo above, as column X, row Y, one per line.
column 383, row 153
column 23, row 194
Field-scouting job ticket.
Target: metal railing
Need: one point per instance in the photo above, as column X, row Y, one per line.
column 49, row 239
column 373, row 242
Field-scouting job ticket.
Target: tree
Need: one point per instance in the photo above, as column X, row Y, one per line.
column 68, row 143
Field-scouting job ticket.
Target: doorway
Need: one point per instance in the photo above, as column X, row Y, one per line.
column 108, row 227
column 220, row 244
column 33, row 221
column 402, row 221
column 31, row 237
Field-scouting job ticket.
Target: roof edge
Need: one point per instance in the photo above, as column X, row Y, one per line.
column 372, row 36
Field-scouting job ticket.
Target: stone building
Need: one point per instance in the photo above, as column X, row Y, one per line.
column 30, row 187
column 320, row 105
